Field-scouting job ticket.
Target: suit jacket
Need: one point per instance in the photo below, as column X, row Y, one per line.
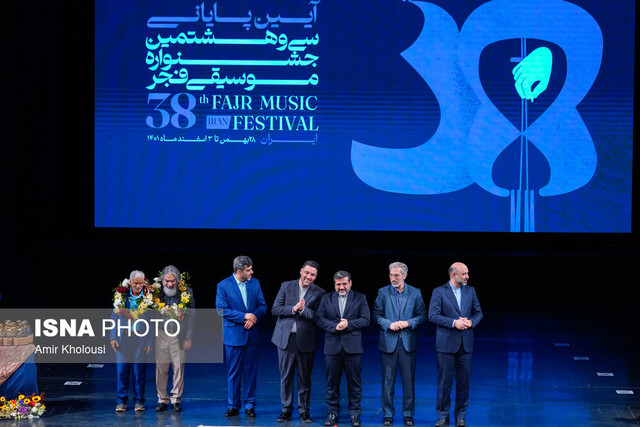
column 356, row 311
column 288, row 296
column 385, row 312
column 443, row 310
column 232, row 309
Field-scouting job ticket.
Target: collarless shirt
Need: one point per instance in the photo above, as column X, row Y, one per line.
column 342, row 303
column 457, row 292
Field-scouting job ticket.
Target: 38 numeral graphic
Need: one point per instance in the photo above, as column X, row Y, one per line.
column 176, row 106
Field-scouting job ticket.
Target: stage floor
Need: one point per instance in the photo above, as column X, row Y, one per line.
column 536, row 375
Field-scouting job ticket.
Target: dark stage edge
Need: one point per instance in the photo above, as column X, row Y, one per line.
column 546, row 378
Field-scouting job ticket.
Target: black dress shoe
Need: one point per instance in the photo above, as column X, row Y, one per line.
column 442, row 422
column 231, row 412
column 251, row 413
column 161, row 407
column 387, row 421
column 408, row 421
column 306, row 418
column 355, row 421
column 176, row 407
column 332, row 419
column 285, row 416
column 460, row 422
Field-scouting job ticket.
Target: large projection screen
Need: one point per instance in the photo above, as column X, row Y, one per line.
column 497, row 116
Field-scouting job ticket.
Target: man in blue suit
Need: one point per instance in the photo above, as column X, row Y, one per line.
column 240, row 302
column 130, row 346
column 456, row 311
column 343, row 314
column 398, row 311
column 296, row 337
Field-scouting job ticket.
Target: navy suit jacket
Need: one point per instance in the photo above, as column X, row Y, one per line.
column 288, row 296
column 443, row 310
column 385, row 312
column 232, row 309
column 356, row 311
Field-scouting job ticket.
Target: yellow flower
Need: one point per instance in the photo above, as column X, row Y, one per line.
column 21, row 397
column 180, row 305
column 4, row 408
column 161, row 305
column 36, row 399
column 2, row 399
column 27, row 401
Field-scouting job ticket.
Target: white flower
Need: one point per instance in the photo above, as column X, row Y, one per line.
column 125, row 283
column 156, row 285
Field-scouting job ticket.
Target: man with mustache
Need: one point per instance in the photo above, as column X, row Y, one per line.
column 398, row 311
column 343, row 314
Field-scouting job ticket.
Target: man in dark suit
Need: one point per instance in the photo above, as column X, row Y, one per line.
column 240, row 302
column 296, row 337
column 456, row 311
column 398, row 311
column 343, row 314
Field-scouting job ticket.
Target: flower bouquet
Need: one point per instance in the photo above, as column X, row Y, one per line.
column 22, row 407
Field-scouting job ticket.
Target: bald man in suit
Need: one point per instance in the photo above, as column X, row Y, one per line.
column 455, row 310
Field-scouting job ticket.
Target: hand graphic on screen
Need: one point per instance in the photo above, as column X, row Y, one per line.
column 534, row 68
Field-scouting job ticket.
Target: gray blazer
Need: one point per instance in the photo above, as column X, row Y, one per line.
column 288, row 296
column 385, row 312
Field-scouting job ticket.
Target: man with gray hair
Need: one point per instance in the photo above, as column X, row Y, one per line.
column 398, row 311
column 131, row 349
column 171, row 348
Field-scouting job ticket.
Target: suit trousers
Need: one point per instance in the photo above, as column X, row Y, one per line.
column 242, row 366
column 450, row 364
column 290, row 360
column 335, row 364
column 405, row 362
column 131, row 360
column 169, row 355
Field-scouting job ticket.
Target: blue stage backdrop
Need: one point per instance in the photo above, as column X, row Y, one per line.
column 453, row 115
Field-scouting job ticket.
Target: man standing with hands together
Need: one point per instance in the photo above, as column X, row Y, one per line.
column 398, row 311
column 296, row 337
column 456, row 311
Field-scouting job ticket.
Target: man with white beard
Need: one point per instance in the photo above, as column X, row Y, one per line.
column 170, row 350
